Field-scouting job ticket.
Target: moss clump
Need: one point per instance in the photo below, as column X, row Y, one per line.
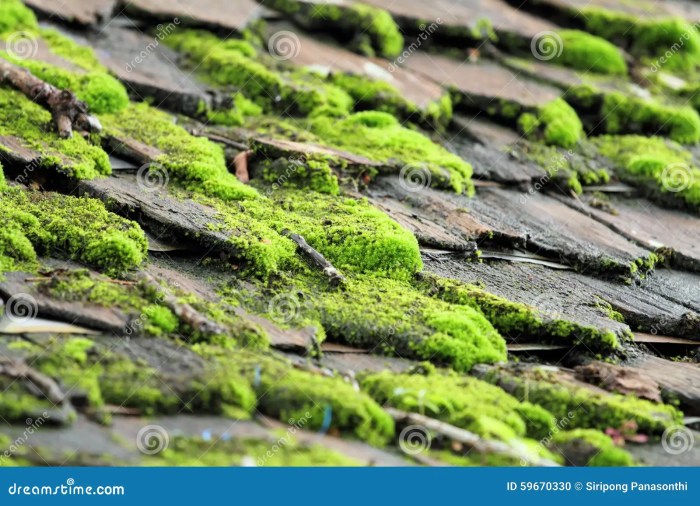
column 462, row 401
column 325, row 403
column 380, row 137
column 374, row 29
column 160, row 320
column 663, row 167
column 387, row 316
column 516, row 319
column 351, row 233
column 584, row 407
column 236, row 63
column 555, row 124
column 195, row 162
column 79, row 228
column 241, row 109
column 14, row 15
column 314, row 172
column 18, row 403
column 586, row 52
column 23, row 119
column 284, row 451
column 586, row 447
column 673, row 39
column 628, row 115
column 107, row 376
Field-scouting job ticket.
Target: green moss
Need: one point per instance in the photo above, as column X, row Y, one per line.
column 25, row 120
column 194, row 162
column 586, row 52
column 160, row 320
column 555, row 123
column 462, row 401
column 380, row 137
column 673, row 39
column 287, row 393
column 390, row 317
column 15, row 16
column 314, row 172
column 79, row 228
column 374, row 29
column 285, row 451
column 517, row 320
column 236, row 115
column 661, row 166
column 18, row 403
column 592, row 447
column 623, row 114
column 584, row 407
column 351, row 233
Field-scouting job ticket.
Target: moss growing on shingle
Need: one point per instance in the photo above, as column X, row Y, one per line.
column 663, row 167
column 586, row 52
column 462, row 401
column 79, row 228
column 555, row 124
column 590, row 448
column 25, row 120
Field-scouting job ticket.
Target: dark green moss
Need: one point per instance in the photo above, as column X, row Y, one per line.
column 590, row 448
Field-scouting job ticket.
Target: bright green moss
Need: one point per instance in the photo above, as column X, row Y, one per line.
column 235, row 63
column 195, row 162
column 241, row 109
column 314, row 172
column 282, row 452
column 160, row 320
column 623, row 114
column 18, row 403
column 515, row 319
column 555, row 123
column 593, row 448
column 584, row 407
column 286, row 393
column 79, row 228
column 380, row 137
column 662, row 166
column 462, row 401
column 25, row 120
column 672, row 39
column 374, row 29
column 351, row 233
column 14, row 16
column 586, row 52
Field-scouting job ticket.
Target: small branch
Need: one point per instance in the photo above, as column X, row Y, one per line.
column 469, row 439
column 185, row 313
column 317, row 259
column 67, row 111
